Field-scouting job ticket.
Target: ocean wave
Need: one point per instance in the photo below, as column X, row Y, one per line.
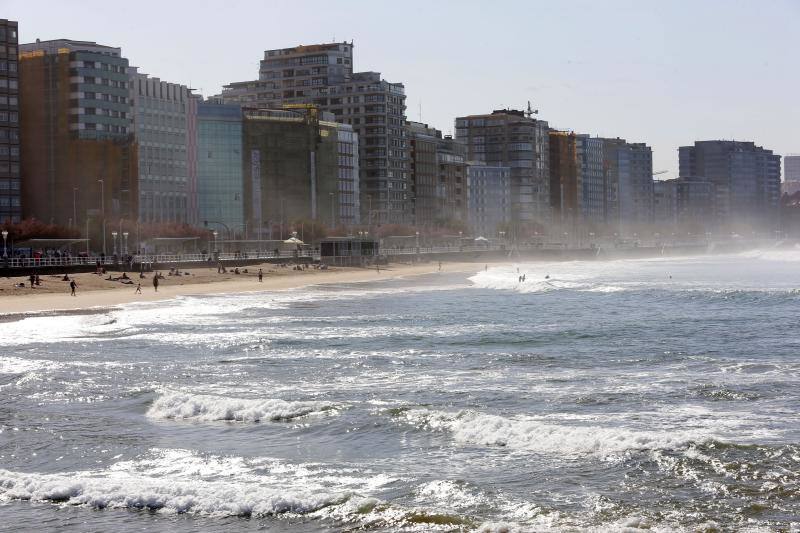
column 529, row 434
column 207, row 408
column 124, row 491
column 507, row 280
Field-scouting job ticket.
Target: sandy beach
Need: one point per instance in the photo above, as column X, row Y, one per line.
column 53, row 294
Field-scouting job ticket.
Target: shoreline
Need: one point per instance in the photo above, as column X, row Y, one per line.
column 97, row 298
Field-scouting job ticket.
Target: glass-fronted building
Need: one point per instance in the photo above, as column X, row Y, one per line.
column 220, row 183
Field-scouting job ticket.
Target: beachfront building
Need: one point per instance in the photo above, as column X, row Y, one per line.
column 423, row 141
column 322, row 75
column 591, row 178
column 628, row 177
column 791, row 174
column 161, row 124
column 220, row 185
column 488, row 199
column 349, row 190
column 291, row 169
column 746, row 179
column 565, row 185
column 79, row 156
column 10, row 184
column 451, row 182
column 510, row 138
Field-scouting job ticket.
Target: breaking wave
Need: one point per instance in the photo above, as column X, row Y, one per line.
column 208, row 408
column 528, row 434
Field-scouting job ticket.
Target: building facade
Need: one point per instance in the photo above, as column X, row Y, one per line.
column 451, row 184
column 323, row 75
column 628, row 176
column 509, row 138
column 746, row 179
column 791, row 174
column 665, row 210
column 161, row 124
column 291, row 168
column 349, row 189
column 423, row 141
column 79, row 157
column 220, row 184
column 488, row 199
column 10, row 170
column 591, row 178
column 565, row 183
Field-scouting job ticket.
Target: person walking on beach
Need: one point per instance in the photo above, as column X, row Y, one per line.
column 138, row 288
column 440, row 266
column 155, row 282
column 72, row 286
column 260, row 276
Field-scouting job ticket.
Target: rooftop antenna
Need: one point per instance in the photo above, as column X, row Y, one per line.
column 531, row 111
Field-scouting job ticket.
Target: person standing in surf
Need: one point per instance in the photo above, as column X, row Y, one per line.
column 155, row 281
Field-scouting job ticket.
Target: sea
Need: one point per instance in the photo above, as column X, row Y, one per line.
column 658, row 394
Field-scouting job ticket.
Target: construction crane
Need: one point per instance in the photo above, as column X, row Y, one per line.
column 531, row 111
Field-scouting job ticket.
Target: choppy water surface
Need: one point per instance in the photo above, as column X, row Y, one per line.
column 641, row 394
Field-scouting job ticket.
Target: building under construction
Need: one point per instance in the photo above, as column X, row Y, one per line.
column 290, row 167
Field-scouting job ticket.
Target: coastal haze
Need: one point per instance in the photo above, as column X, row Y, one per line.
column 651, row 393
column 368, row 266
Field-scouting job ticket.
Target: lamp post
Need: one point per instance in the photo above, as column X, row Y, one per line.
column 214, row 233
column 125, row 237
column 333, row 213
column 416, row 234
column 5, row 250
column 103, row 210
column 75, row 205
column 114, row 238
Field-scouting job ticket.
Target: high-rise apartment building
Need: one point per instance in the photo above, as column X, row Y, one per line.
column 746, row 179
column 628, row 169
column 423, row 141
column 488, row 199
column 791, row 174
column 565, row 185
column 10, row 187
column 220, row 184
column 451, row 185
column 323, row 75
column 79, row 157
column 161, row 124
column 509, row 138
column 591, row 178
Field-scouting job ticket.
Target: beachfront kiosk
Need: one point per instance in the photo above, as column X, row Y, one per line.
column 352, row 251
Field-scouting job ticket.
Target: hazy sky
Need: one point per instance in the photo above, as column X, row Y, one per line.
column 666, row 73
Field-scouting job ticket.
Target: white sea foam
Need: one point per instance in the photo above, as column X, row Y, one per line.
column 202, row 407
column 530, row 434
column 18, row 365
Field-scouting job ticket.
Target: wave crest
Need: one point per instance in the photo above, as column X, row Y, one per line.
column 209, row 408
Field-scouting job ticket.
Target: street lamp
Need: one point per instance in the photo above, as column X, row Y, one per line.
column 214, row 233
column 416, row 234
column 103, row 210
column 74, row 206
column 114, row 237
column 333, row 213
column 5, row 250
column 125, row 236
